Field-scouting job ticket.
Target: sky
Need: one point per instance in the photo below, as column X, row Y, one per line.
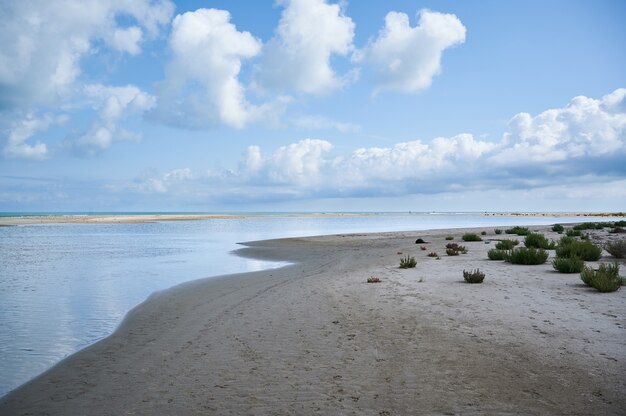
column 312, row 105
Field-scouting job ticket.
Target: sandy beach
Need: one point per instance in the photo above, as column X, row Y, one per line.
column 315, row 338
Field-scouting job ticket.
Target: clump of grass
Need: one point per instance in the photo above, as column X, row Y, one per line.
column 373, row 280
column 605, row 279
column 506, row 244
column 585, row 250
column 568, row 264
column 475, row 276
column 558, row 228
column 573, row 233
column 449, row 238
column 518, row 230
column 432, row 254
column 407, row 262
column 617, row 230
column 616, row 248
column 453, row 249
column 471, row 237
column 423, row 248
column 527, row 255
column 497, row 231
column 495, row 254
column 483, row 233
column 538, row 241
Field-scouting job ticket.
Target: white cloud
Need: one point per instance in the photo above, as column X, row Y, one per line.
column 312, row 122
column 202, row 86
column 112, row 104
column 405, row 58
column 42, row 42
column 299, row 56
column 17, row 146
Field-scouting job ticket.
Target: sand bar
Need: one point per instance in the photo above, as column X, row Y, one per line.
column 314, row 338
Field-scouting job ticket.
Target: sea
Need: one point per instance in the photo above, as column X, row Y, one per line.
column 64, row 286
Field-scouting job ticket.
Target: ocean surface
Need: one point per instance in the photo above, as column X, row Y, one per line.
column 65, row 286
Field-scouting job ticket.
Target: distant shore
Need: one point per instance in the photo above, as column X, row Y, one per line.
column 26, row 219
column 315, row 338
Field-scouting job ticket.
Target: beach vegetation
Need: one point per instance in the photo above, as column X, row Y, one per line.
column 605, row 279
column 449, row 238
column 432, row 254
column 585, row 250
column 573, row 233
column 617, row 230
column 616, row 248
column 538, row 241
column 453, row 249
column 497, row 231
column 568, row 264
column 423, row 248
column 471, row 237
column 408, row 262
column 518, row 230
column 483, row 233
column 506, row 244
column 527, row 256
column 373, row 280
column 475, row 276
column 495, row 254
column 558, row 228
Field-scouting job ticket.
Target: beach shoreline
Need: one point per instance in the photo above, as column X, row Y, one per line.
column 314, row 338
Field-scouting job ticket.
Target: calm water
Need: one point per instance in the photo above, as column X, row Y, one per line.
column 65, row 286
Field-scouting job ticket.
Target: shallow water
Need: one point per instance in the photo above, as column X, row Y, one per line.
column 65, row 286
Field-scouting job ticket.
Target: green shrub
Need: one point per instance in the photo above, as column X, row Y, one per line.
column 573, row 233
column 528, row 256
column 568, row 264
column 566, row 240
column 497, row 231
column 475, row 276
column 453, row 249
column 585, row 250
column 538, row 241
column 558, row 228
column 518, row 230
column 617, row 230
column 471, row 237
column 506, row 244
column 621, row 223
column 407, row 262
column 483, row 233
column 616, row 248
column 449, row 238
column 605, row 279
column 592, row 226
column 495, row 254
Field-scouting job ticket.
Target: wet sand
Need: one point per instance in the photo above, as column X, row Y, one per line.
column 315, row 338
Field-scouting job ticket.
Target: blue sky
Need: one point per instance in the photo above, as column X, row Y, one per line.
column 312, row 105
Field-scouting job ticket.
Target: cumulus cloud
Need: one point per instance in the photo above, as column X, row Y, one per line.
column 42, row 42
column 112, row 105
column 298, row 57
column 202, row 86
column 17, row 145
column 405, row 58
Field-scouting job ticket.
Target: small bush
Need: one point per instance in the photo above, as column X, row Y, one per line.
column 565, row 240
column 483, row 233
column 432, row 254
column 617, row 230
column 585, row 250
column 616, row 248
column 558, row 228
column 621, row 223
column 605, row 279
column 497, row 231
column 475, row 276
column 528, row 256
column 568, row 264
column 407, row 262
column 449, row 238
column 471, row 237
column 573, row 233
column 538, row 241
column 506, row 244
column 518, row 230
column 423, row 248
column 453, row 249
column 373, row 280
column 495, row 254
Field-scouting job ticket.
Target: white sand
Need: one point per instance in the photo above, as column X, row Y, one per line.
column 314, row 338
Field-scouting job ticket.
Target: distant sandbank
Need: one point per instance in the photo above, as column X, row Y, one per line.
column 315, row 338
column 26, row 219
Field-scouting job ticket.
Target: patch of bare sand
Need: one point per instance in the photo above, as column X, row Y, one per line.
column 314, row 338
